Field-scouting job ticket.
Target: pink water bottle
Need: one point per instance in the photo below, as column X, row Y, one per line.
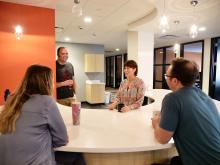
column 76, row 106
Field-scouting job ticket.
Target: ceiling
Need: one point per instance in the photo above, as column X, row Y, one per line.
column 113, row 18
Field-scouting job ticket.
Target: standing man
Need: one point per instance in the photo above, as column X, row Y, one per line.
column 189, row 116
column 65, row 82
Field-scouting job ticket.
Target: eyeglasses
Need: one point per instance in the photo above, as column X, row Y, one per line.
column 165, row 76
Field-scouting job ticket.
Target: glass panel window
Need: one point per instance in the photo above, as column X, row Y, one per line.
column 162, row 59
column 158, row 73
column 159, row 56
column 194, row 52
column 170, row 55
column 158, row 85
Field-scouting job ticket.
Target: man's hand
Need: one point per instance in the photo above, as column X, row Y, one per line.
column 68, row 83
column 155, row 120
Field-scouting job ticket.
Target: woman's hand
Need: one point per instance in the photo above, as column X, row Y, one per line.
column 125, row 109
column 112, row 105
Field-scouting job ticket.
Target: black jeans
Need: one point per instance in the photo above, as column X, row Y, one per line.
column 69, row 158
column 174, row 161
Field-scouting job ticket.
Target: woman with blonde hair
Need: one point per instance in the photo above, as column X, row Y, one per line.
column 30, row 123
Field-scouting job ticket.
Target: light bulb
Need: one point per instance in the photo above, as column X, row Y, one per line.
column 18, row 32
column 176, row 48
column 193, row 31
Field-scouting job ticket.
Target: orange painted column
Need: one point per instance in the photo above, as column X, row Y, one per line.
column 37, row 45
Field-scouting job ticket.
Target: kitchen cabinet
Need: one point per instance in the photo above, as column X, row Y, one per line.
column 94, row 63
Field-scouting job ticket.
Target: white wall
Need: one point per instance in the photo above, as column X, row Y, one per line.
column 76, row 57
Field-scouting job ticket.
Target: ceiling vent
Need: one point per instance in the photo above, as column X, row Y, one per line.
column 109, row 51
column 168, row 37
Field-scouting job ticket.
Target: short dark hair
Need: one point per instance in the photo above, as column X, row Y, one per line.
column 132, row 64
column 58, row 50
column 185, row 71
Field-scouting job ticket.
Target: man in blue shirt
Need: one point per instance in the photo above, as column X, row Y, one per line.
column 189, row 116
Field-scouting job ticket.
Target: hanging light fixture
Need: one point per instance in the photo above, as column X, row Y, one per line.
column 164, row 25
column 176, row 47
column 77, row 9
column 76, row 1
column 193, row 31
column 194, row 28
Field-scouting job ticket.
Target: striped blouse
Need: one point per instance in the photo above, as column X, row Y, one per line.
column 132, row 96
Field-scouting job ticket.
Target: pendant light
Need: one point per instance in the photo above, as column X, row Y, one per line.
column 194, row 28
column 176, row 47
column 164, row 25
column 77, row 9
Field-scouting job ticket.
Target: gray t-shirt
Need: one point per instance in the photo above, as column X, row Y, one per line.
column 39, row 129
column 195, row 121
column 63, row 73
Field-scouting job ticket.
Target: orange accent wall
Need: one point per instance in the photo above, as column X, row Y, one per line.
column 37, row 45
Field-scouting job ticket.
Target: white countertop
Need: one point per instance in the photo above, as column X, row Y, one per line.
column 105, row 131
column 94, row 82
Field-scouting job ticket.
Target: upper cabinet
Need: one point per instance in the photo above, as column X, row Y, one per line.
column 94, row 63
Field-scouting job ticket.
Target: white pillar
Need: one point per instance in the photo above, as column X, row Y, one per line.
column 140, row 49
column 206, row 65
column 133, row 45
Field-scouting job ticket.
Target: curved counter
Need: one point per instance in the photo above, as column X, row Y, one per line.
column 105, row 131
column 113, row 138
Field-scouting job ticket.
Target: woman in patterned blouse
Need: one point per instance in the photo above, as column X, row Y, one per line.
column 131, row 91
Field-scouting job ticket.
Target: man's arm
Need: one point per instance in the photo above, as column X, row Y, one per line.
column 66, row 83
column 163, row 136
column 74, row 86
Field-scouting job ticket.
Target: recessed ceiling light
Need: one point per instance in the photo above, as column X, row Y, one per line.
column 67, row 39
column 87, row 19
column 117, row 49
column 202, row 29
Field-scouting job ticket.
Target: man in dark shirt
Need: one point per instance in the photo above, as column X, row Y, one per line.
column 189, row 116
column 65, row 82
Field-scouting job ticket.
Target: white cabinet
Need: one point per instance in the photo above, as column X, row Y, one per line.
column 94, row 63
column 95, row 93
